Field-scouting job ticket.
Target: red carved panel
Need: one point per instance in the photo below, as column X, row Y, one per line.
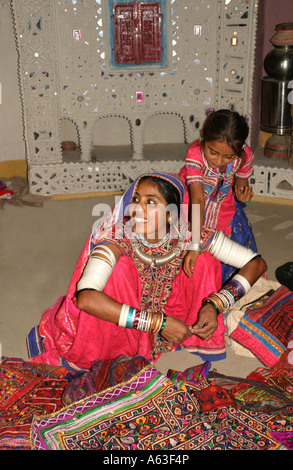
column 137, row 32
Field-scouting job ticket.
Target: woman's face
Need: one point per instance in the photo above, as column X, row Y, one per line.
column 218, row 154
column 148, row 212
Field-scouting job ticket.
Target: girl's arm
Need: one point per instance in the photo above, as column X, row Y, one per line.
column 197, row 206
column 197, row 209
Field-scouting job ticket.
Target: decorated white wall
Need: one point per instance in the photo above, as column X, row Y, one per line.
column 66, row 77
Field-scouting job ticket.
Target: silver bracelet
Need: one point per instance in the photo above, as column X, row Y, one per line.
column 195, row 247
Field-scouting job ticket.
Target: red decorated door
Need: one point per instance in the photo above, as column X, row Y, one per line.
column 137, row 32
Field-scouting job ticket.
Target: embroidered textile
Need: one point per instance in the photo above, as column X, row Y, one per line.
column 156, row 282
column 258, row 397
column 26, row 392
column 213, row 398
column 151, row 412
column 102, row 375
column 285, row 438
column 266, row 389
column 267, row 329
column 192, row 376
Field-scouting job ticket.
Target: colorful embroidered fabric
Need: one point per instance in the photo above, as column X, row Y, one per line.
column 102, row 375
column 213, row 398
column 26, row 392
column 156, row 284
column 192, row 376
column 285, row 438
column 266, row 389
column 266, row 329
column 152, row 412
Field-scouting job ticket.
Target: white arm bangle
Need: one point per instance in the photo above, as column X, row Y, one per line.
column 95, row 274
column 229, row 252
column 123, row 315
column 244, row 282
column 105, row 251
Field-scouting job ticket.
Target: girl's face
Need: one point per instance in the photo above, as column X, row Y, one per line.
column 148, row 212
column 218, row 154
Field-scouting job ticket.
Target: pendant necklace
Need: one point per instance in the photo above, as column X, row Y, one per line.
column 156, row 261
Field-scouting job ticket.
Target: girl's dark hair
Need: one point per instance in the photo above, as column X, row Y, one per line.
column 226, row 126
column 167, row 190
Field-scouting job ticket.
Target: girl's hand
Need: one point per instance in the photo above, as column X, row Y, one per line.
column 175, row 331
column 207, row 322
column 243, row 193
column 189, row 262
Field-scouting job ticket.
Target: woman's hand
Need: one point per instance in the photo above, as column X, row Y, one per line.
column 175, row 331
column 189, row 262
column 207, row 322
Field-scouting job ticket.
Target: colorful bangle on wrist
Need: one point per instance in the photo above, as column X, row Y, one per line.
column 208, row 301
column 164, row 323
column 236, row 288
column 141, row 320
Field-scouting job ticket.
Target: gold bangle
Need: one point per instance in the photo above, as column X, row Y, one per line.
column 149, row 322
column 216, row 302
column 220, row 300
column 155, row 322
column 158, row 322
column 163, row 323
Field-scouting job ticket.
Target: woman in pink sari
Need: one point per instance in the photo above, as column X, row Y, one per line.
column 129, row 295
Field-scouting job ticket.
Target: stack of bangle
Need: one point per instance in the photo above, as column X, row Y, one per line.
column 217, row 301
column 148, row 322
column 236, row 288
